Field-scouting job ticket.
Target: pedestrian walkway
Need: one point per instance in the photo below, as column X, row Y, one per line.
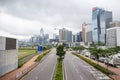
column 19, row 72
column 113, row 69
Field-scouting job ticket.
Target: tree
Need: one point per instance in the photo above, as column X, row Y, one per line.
column 94, row 52
column 78, row 48
column 97, row 52
column 60, row 51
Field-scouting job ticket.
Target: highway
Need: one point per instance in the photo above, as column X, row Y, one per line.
column 76, row 69
column 45, row 70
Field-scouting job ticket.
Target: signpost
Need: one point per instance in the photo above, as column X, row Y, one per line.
column 40, row 48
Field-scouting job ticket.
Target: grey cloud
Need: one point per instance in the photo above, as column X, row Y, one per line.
column 68, row 13
column 46, row 11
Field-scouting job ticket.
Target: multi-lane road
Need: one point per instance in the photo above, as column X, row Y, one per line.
column 45, row 70
column 76, row 69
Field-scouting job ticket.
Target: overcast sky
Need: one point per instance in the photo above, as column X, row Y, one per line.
column 23, row 18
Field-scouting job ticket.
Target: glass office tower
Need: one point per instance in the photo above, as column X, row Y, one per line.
column 100, row 22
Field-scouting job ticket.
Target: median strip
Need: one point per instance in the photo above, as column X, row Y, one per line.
column 59, row 70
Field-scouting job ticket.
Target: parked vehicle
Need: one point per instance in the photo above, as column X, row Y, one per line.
column 87, row 54
column 83, row 52
column 102, row 59
column 113, row 60
column 92, row 57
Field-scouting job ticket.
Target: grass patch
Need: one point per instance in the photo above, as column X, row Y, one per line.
column 22, row 61
column 27, row 48
column 25, row 55
column 41, row 56
column 97, row 66
column 59, row 72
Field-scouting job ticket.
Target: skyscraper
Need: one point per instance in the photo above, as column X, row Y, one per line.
column 69, row 36
column 83, row 33
column 65, row 35
column 100, row 22
column 41, row 32
column 73, row 38
column 88, row 31
column 41, row 36
column 78, row 37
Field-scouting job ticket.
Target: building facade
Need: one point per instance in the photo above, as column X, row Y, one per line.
column 73, row 38
column 100, row 22
column 78, row 37
column 89, row 36
column 83, row 32
column 112, row 37
column 69, row 36
column 65, row 35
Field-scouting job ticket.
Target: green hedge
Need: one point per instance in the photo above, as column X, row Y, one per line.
column 59, row 72
column 41, row 56
column 97, row 66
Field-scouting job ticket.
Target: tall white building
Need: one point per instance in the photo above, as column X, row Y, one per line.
column 113, row 36
column 65, row 35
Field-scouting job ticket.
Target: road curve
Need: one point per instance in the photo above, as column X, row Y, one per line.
column 45, row 70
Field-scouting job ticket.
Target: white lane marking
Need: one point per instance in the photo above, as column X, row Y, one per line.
column 65, row 70
column 52, row 76
column 76, row 68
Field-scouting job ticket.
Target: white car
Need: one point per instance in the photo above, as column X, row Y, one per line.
column 102, row 59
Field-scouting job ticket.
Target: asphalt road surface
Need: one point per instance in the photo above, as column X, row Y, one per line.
column 76, row 69
column 45, row 70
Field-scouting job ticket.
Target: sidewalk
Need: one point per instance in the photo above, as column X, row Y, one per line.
column 20, row 71
column 113, row 69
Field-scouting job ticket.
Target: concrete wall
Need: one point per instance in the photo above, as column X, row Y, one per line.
column 8, row 58
column 8, row 61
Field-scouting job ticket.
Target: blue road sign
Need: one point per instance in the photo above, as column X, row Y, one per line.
column 40, row 48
